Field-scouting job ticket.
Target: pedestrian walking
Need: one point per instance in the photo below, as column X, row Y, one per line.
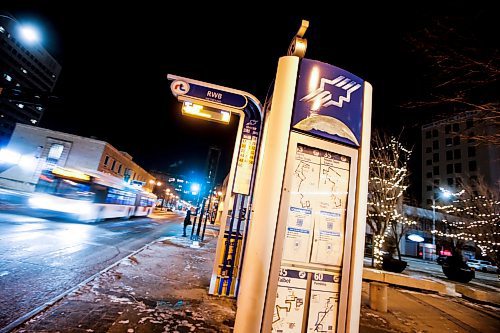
column 187, row 221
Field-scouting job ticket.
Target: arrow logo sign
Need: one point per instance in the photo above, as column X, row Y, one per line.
column 323, row 98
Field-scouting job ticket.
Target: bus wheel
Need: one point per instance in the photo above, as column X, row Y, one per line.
column 129, row 213
column 100, row 215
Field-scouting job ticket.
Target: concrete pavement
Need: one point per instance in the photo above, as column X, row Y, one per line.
column 40, row 258
column 410, row 311
column 164, row 289
column 161, row 289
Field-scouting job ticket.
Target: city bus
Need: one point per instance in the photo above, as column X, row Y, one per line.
column 89, row 195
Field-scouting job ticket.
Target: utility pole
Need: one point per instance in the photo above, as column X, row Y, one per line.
column 206, row 188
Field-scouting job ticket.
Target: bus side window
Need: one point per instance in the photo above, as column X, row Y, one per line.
column 47, row 183
column 100, row 193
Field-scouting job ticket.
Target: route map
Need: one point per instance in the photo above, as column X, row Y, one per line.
column 325, row 291
column 317, row 207
column 289, row 306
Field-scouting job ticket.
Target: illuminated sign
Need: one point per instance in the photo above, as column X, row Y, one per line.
column 179, row 87
column 70, row 173
column 329, row 102
column 204, row 112
column 204, row 93
column 416, row 238
column 246, row 157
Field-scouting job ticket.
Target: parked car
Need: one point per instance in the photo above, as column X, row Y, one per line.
column 482, row 265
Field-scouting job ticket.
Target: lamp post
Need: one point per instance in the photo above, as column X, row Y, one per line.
column 433, row 219
column 445, row 194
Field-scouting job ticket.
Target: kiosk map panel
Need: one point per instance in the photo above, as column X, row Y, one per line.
column 317, row 208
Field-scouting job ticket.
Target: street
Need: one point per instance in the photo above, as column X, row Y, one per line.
column 488, row 281
column 42, row 258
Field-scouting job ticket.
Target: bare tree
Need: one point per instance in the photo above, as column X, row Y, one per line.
column 399, row 229
column 465, row 77
column 387, row 183
column 477, row 211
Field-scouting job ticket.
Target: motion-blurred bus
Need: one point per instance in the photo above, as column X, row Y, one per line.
column 89, row 195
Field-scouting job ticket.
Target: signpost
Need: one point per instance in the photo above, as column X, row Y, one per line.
column 216, row 103
column 303, row 262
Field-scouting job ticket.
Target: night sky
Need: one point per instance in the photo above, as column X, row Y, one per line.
column 115, row 60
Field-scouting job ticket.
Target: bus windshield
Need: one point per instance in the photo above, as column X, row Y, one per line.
column 62, row 187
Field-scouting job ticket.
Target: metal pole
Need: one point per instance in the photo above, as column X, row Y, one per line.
column 225, row 265
column 208, row 215
column 194, row 222
column 433, row 220
column 201, row 217
column 235, row 247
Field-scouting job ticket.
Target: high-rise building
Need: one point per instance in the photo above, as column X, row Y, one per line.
column 28, row 73
column 451, row 157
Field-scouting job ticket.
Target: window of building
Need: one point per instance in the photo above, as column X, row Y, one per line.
column 450, row 181
column 449, row 155
column 435, row 170
column 435, row 157
column 429, row 188
column 434, row 133
column 120, row 169
column 113, row 165
column 458, row 167
column 471, row 139
column 106, row 160
column 448, row 142
column 428, row 162
column 456, row 140
column 473, row 180
column 458, row 153
column 449, row 168
column 436, row 182
column 428, row 134
column 469, row 123
column 429, row 175
column 471, row 151
column 456, row 127
column 428, row 149
column 472, row 166
column 55, row 153
column 447, row 129
column 435, row 144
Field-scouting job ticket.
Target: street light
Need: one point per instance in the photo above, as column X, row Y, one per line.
column 28, row 33
column 445, row 194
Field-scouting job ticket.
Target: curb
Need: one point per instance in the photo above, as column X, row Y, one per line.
column 402, row 280
column 478, row 295
column 24, row 318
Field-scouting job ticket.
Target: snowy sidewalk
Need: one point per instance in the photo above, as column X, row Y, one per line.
column 163, row 288
column 410, row 311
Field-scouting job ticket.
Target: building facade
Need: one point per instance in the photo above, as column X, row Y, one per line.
column 451, row 157
column 33, row 149
column 28, row 74
column 175, row 183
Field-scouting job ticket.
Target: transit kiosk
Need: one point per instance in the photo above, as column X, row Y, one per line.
column 304, row 256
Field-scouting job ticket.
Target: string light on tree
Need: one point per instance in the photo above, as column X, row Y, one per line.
column 387, row 183
column 476, row 217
